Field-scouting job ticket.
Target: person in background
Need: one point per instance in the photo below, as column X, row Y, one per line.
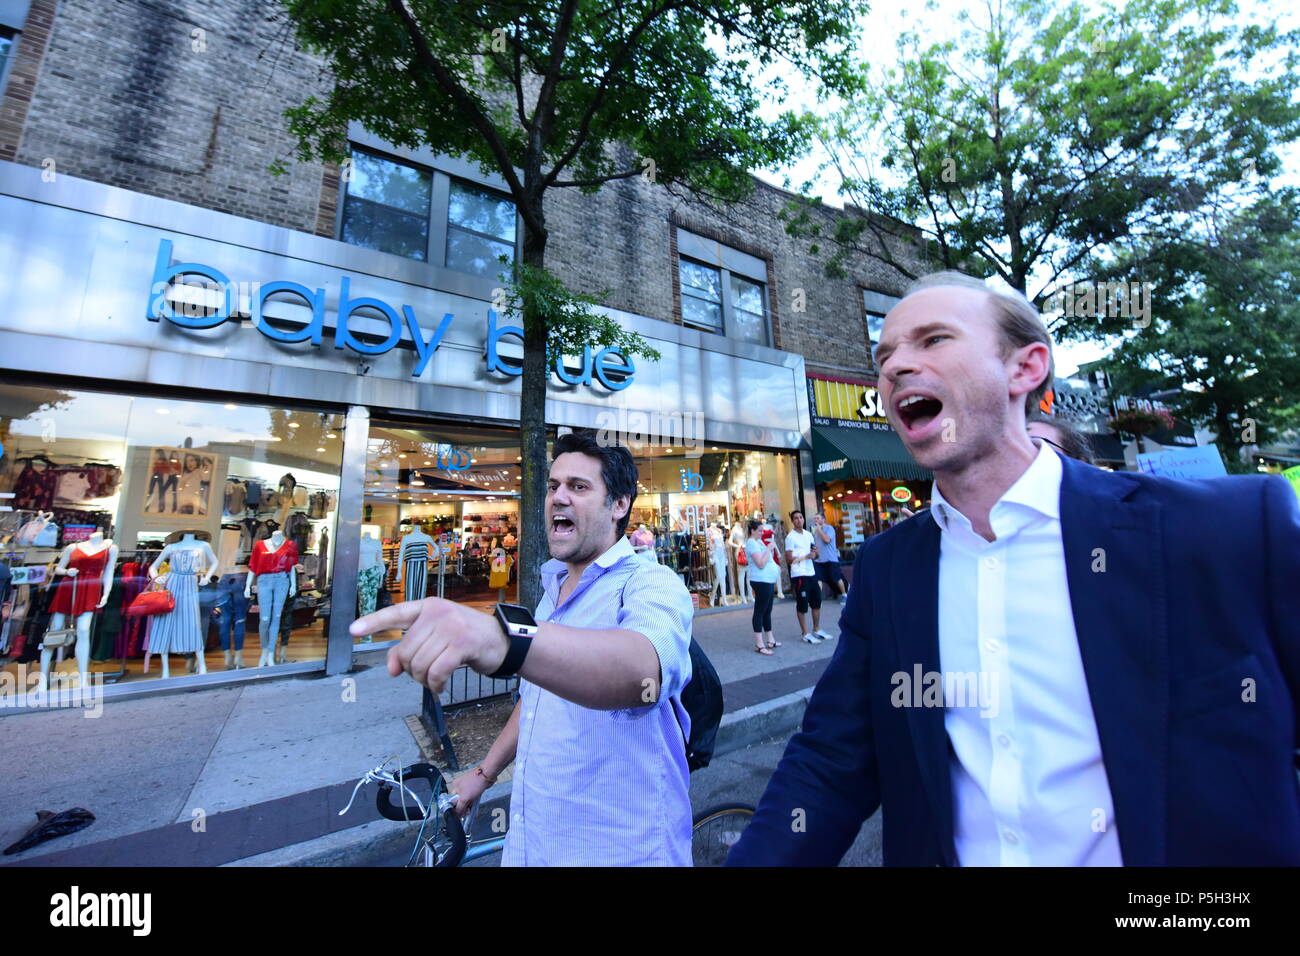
column 763, row 573
column 827, row 565
column 801, row 552
column 1064, row 437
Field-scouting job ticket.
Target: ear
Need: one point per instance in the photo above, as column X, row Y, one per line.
column 1027, row 368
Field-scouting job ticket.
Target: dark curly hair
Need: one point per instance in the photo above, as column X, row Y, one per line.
column 617, row 469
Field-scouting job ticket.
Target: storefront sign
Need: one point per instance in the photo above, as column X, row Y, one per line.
column 609, row 366
column 847, row 404
column 692, row 481
column 833, row 465
column 453, row 459
column 901, row 494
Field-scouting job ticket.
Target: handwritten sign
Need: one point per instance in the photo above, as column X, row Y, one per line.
column 1203, row 461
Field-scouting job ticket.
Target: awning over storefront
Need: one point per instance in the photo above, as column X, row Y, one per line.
column 862, row 453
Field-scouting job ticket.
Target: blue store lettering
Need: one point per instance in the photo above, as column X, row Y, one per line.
column 609, row 366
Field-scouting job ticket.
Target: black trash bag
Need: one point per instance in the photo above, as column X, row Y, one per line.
column 50, row 825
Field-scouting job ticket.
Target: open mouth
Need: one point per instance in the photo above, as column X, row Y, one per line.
column 562, row 527
column 917, row 411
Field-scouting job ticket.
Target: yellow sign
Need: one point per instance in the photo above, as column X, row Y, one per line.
column 847, row 401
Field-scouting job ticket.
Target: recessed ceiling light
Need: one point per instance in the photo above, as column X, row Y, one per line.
column 295, row 425
column 331, row 435
column 401, row 456
column 320, row 449
column 668, row 451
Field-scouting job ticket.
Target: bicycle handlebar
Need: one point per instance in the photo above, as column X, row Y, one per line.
column 440, row 803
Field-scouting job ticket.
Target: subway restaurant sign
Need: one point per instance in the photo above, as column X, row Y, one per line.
column 846, row 404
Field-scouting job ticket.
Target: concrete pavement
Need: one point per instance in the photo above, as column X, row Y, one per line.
column 214, row 776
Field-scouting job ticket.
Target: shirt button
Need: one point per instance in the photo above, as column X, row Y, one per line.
column 529, row 715
column 990, row 563
column 1004, row 740
column 1010, row 837
column 517, row 817
column 992, row 645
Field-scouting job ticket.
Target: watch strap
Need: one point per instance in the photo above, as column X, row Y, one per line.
column 519, row 646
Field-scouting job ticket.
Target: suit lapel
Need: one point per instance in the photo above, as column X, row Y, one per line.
column 1113, row 553
column 914, row 586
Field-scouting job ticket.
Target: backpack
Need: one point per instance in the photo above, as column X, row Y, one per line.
column 702, row 698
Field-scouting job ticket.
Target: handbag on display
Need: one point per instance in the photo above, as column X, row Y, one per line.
column 63, row 636
column 155, row 600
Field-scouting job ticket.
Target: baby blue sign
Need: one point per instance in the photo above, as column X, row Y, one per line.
column 609, row 366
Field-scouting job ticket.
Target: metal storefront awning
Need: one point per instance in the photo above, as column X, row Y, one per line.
column 862, row 453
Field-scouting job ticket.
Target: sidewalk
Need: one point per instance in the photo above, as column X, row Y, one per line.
column 215, row 776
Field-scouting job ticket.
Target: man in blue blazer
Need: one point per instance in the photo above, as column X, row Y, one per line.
column 1054, row 664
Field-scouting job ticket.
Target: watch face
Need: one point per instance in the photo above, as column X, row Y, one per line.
column 517, row 614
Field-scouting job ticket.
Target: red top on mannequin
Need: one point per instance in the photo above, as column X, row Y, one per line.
column 266, row 561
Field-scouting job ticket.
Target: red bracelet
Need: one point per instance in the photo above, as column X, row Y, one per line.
column 479, row 770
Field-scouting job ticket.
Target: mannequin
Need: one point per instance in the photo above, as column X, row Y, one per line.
column 370, row 574
column 499, row 573
column 413, row 558
column 181, row 631
column 272, row 567
column 736, row 542
column 717, row 539
column 643, row 542
column 92, row 561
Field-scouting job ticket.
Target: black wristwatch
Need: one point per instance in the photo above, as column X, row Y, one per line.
column 519, row 626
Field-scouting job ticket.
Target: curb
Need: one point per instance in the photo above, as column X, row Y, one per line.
column 378, row 840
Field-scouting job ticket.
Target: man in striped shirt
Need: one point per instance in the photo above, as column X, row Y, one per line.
column 598, row 735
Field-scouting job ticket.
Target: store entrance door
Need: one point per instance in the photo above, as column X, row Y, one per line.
column 440, row 515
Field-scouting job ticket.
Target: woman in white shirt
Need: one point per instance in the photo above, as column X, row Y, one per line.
column 763, row 571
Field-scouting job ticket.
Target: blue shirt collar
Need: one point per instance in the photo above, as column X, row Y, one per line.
column 554, row 569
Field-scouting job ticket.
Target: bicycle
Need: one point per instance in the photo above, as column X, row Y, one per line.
column 713, row 832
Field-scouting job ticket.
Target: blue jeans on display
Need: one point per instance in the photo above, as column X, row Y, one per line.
column 234, row 610
column 272, row 592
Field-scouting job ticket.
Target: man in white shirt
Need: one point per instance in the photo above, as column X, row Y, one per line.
column 800, row 553
column 1055, row 665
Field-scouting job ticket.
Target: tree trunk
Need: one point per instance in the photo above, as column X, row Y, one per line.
column 534, row 465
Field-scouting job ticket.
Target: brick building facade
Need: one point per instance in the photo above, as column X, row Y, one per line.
column 187, row 104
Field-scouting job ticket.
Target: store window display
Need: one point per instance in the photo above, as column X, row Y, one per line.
column 180, row 631
column 87, row 571
column 694, row 504
column 79, row 467
column 444, row 504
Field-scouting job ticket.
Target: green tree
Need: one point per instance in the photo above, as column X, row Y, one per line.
column 1225, row 329
column 544, row 94
column 1048, row 138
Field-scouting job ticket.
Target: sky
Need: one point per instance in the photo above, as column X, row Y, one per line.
column 882, row 25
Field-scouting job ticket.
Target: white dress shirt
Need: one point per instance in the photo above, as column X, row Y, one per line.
column 1028, row 783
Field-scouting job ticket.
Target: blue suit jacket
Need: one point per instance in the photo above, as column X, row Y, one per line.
column 1200, row 595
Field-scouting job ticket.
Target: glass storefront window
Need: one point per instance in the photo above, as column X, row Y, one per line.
column 157, row 494
column 861, row 507
column 693, row 506
column 441, row 516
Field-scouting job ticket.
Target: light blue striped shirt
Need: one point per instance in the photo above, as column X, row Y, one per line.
column 601, row 787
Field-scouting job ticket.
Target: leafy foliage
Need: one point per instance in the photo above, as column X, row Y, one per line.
column 1049, row 138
